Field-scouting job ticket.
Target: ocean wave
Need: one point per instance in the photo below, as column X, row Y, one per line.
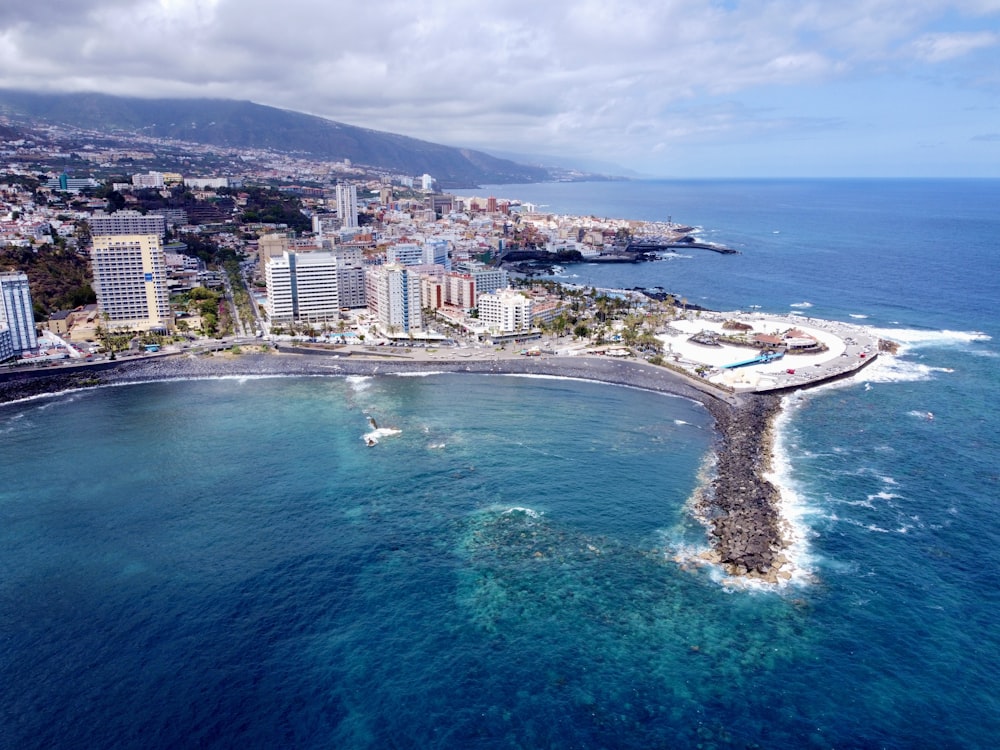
column 912, row 337
column 421, row 374
column 858, row 316
column 801, row 304
column 883, row 496
column 521, row 509
column 359, row 382
column 793, row 507
column 379, row 433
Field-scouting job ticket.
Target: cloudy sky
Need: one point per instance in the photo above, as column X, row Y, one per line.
column 700, row 88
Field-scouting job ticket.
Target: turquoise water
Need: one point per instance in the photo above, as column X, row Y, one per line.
column 224, row 563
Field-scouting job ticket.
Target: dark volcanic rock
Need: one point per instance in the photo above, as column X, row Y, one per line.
column 743, row 506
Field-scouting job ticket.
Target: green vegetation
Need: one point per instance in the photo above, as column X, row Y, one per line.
column 60, row 279
column 208, row 305
column 241, row 297
column 274, row 207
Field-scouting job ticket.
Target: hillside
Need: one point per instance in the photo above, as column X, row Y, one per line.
column 243, row 124
column 59, row 279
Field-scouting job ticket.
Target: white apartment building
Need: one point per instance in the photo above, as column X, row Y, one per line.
column 436, row 251
column 394, row 298
column 302, row 287
column 347, row 205
column 127, row 222
column 325, row 226
column 505, row 311
column 130, row 278
column 207, row 183
column 405, row 254
column 148, row 180
column 351, row 276
column 432, row 252
column 488, row 279
column 16, row 312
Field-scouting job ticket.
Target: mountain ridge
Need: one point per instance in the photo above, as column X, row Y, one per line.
column 233, row 123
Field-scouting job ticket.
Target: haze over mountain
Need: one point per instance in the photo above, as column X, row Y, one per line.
column 243, row 124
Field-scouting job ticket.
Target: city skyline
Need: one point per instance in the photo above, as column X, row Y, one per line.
column 766, row 88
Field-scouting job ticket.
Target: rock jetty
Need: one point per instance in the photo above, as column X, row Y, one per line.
column 742, row 506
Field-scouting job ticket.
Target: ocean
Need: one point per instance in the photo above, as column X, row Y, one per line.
column 224, row 563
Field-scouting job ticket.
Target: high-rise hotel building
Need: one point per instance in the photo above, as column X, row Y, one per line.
column 302, row 287
column 393, row 293
column 130, row 271
column 347, row 205
column 16, row 313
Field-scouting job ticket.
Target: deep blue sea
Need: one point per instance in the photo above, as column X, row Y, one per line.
column 223, row 563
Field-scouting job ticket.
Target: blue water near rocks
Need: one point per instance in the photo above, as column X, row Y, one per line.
column 224, row 563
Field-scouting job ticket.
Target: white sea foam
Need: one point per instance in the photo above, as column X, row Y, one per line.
column 793, row 508
column 526, row 511
column 379, row 433
column 883, row 496
column 912, row 337
column 421, row 374
column 858, row 316
column 801, row 304
column 896, row 369
column 359, row 382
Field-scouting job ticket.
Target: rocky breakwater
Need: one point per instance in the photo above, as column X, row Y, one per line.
column 741, row 508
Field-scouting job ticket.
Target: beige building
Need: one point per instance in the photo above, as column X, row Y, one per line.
column 130, row 278
column 272, row 246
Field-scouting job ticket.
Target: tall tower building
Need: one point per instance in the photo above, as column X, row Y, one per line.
column 347, row 205
column 394, row 298
column 302, row 287
column 350, row 276
column 130, row 278
column 16, row 311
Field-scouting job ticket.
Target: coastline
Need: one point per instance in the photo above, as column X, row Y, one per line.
column 741, row 509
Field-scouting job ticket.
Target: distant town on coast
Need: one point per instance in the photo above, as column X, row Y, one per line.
column 98, row 263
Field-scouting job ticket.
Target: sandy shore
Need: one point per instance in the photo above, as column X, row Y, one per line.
column 740, row 509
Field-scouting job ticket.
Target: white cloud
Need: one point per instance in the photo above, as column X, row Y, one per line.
column 621, row 76
column 936, row 48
